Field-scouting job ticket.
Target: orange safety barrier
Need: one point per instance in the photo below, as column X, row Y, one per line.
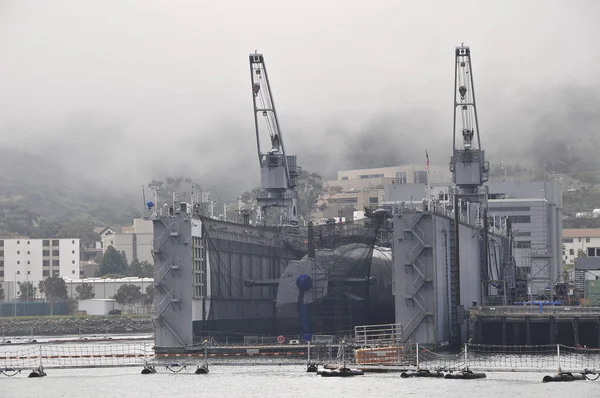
column 380, row 355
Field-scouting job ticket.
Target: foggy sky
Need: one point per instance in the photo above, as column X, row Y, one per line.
column 131, row 90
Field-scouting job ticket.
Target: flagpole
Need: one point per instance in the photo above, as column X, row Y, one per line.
column 428, row 183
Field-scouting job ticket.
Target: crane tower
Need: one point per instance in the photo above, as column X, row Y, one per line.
column 467, row 164
column 278, row 170
column 469, row 172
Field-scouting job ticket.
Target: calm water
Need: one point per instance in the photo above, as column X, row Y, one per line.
column 279, row 381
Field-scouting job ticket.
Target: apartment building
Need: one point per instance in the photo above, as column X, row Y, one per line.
column 584, row 239
column 23, row 259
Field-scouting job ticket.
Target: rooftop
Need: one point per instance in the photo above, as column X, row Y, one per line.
column 581, row 233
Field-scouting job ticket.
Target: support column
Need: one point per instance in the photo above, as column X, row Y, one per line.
column 503, row 330
column 479, row 330
column 576, row 331
column 552, row 329
column 516, row 332
column 528, row 330
column 598, row 346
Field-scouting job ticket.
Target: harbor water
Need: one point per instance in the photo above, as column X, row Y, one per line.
column 272, row 380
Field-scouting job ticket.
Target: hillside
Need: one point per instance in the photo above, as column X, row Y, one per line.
column 35, row 191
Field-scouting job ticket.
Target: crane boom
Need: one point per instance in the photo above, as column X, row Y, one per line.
column 278, row 170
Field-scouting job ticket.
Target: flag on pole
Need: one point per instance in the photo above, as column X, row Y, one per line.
column 427, row 159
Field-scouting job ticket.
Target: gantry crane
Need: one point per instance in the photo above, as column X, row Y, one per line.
column 278, row 171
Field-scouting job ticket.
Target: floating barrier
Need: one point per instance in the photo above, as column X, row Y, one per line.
column 465, row 375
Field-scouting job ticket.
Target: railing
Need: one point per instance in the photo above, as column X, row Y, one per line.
column 378, row 335
column 534, row 309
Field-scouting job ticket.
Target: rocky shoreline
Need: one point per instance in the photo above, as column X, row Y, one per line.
column 58, row 326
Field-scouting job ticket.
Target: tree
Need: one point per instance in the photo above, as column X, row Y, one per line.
column 1, row 293
column 140, row 269
column 85, row 291
column 55, row 290
column 128, row 294
column 113, row 262
column 135, row 269
column 149, row 296
column 310, row 187
column 147, row 269
column 26, row 290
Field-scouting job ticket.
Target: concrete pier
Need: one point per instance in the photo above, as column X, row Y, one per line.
column 536, row 325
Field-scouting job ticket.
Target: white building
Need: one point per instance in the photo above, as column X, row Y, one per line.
column 136, row 241
column 23, row 259
column 107, row 288
column 586, row 239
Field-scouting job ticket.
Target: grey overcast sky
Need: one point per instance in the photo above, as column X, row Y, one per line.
column 139, row 89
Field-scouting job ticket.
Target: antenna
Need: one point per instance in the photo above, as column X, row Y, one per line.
column 144, row 195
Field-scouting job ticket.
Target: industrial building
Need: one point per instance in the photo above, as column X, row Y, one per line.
column 535, row 211
column 404, row 174
column 135, row 241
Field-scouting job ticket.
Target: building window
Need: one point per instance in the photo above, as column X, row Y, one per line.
column 2, row 274
column 593, row 252
column 18, row 262
column 344, row 178
column 55, row 253
column 18, row 242
column 45, row 242
column 572, row 252
column 373, row 200
column 520, row 219
column 1, row 263
column 568, row 240
column 509, row 208
column 28, row 272
column 46, row 273
column 28, row 242
column 55, row 274
column 73, row 242
column 1, row 243
column 18, row 252
column 46, row 263
column 28, row 262
column 73, row 261
column 523, row 233
column 72, row 251
column 28, row 252
column 587, row 240
column 55, row 242
column 73, row 271
column 18, row 272
column 524, row 244
column 45, row 253
column 55, row 263
column 579, row 239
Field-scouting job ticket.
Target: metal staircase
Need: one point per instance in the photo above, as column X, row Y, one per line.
column 171, row 230
column 170, row 266
column 414, row 233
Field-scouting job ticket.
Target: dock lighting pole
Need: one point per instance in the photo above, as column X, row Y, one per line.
column 15, row 288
